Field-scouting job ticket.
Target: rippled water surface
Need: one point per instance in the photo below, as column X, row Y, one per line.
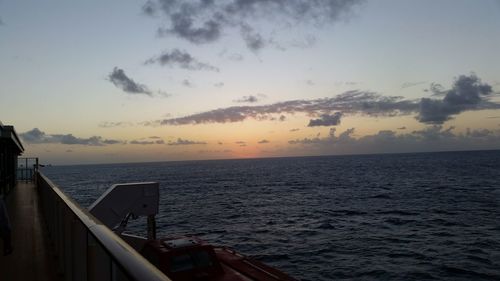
column 380, row 217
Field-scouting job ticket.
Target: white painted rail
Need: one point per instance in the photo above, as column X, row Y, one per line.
column 85, row 248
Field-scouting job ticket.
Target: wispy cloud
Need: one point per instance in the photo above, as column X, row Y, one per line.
column 411, row 84
column 264, row 141
column 122, row 81
column 36, row 136
column 249, row 99
column 147, row 142
column 181, row 141
column 350, row 102
column 187, row 83
column 253, row 39
column 467, row 93
column 106, row 124
column 181, row 59
column 202, row 22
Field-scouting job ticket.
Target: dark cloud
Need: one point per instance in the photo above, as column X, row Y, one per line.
column 146, row 142
column 113, row 142
column 36, row 136
column 122, row 81
column 202, row 22
column 219, row 84
column 253, row 40
column 181, row 59
column 326, row 120
column 467, row 93
column 402, row 128
column 351, row 102
column 294, row 130
column 263, row 141
column 310, row 83
column 180, row 141
column 432, row 138
column 154, row 137
column 250, row 99
column 240, row 142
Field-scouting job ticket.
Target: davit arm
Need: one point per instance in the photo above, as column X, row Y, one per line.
column 121, row 201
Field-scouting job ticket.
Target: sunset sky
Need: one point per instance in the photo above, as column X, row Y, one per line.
column 130, row 81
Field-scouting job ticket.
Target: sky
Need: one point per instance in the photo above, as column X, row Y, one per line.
column 162, row 80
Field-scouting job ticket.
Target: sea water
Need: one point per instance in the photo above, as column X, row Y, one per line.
column 425, row 216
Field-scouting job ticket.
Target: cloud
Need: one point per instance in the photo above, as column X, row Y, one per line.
column 230, row 56
column 36, row 136
column 294, row 130
column 411, row 84
column 106, row 124
column 201, row 22
column 432, row 138
column 467, row 93
column 250, row 99
column 106, row 141
column 263, row 141
column 180, row 141
column 147, row 142
column 181, row 59
column 253, row 40
column 351, row 102
column 402, row 128
column 326, row 120
column 122, row 81
column 214, row 151
column 187, row 83
column 219, row 84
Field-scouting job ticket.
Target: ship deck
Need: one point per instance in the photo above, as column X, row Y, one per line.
column 32, row 258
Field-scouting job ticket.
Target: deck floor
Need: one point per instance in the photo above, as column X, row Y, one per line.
column 32, row 259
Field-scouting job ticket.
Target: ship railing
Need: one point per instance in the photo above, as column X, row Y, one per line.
column 85, row 248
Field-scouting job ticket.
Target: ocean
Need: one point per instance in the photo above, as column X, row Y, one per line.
column 422, row 216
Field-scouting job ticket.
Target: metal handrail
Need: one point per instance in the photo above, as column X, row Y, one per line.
column 73, row 229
